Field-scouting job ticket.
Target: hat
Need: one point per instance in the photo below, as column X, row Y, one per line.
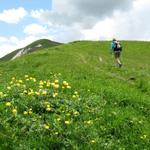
column 114, row 39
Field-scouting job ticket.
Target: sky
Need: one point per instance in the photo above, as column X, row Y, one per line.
column 24, row 21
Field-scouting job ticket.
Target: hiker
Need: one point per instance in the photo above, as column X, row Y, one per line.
column 116, row 49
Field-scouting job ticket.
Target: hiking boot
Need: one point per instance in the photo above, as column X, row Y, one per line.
column 120, row 65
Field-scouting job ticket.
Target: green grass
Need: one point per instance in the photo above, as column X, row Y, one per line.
column 113, row 103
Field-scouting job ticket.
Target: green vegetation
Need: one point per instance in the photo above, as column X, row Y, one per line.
column 44, row 43
column 72, row 96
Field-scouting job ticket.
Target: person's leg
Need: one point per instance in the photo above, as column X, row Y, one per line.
column 119, row 62
column 117, row 59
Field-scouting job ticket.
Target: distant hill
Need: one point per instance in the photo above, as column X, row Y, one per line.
column 35, row 46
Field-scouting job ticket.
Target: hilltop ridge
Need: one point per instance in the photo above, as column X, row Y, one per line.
column 34, row 46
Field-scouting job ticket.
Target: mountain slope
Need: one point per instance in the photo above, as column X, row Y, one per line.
column 35, row 46
column 105, row 108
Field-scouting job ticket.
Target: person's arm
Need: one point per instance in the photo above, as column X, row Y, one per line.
column 112, row 47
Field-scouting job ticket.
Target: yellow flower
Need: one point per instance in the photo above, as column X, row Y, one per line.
column 52, row 84
column 4, row 95
column 30, row 93
column 18, row 84
column 31, row 78
column 20, row 81
column 13, row 78
column 41, row 86
column 25, row 91
column 68, row 87
column 25, row 112
column 46, row 126
column 48, row 109
column 34, row 80
column 26, row 76
column 93, row 141
column 55, row 94
column 48, row 84
column 48, row 105
column 41, row 83
column 65, row 83
column 58, row 119
column 30, row 109
column 56, row 86
column 56, row 133
column 73, row 96
column 14, row 111
column 9, row 88
column 37, row 93
column 145, row 136
column 11, row 82
column 8, row 104
column 56, row 81
column 40, row 90
column 76, row 113
column 30, row 112
column 67, row 122
column 1, row 93
column 89, row 122
column 76, row 93
column 31, row 90
column 44, row 92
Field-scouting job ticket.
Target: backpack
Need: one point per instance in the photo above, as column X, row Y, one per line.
column 118, row 46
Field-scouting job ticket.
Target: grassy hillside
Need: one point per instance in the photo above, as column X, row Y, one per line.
column 43, row 42
column 72, row 96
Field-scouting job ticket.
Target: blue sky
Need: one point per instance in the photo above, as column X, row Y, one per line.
column 16, row 29
column 27, row 4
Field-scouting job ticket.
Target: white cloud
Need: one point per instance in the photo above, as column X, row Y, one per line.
column 37, row 13
column 3, row 39
column 103, row 30
column 7, row 45
column 68, row 34
column 75, row 17
column 86, row 19
column 131, row 25
column 83, row 14
column 13, row 15
column 34, row 29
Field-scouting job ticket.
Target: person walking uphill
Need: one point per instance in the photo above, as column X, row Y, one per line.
column 116, row 49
